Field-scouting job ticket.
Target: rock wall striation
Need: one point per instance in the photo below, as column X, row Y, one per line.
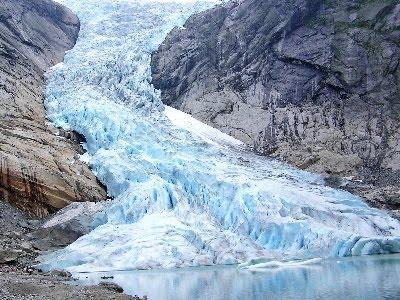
column 40, row 171
column 316, row 83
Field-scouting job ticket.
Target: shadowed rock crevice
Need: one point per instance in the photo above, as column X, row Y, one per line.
column 40, row 170
column 316, row 83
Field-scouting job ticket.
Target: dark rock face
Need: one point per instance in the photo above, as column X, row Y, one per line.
column 39, row 168
column 316, row 83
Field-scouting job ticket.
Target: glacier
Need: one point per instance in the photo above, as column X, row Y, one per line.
column 183, row 193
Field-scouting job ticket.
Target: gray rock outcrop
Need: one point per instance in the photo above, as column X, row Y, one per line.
column 40, row 171
column 316, row 83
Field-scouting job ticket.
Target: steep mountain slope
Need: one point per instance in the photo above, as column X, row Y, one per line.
column 39, row 167
column 314, row 82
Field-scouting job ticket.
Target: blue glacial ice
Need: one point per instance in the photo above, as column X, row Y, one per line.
column 184, row 194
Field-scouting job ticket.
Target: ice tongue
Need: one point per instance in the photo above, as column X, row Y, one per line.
column 184, row 194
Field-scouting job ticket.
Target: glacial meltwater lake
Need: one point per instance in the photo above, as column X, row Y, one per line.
column 367, row 277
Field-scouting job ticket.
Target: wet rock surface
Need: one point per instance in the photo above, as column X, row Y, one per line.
column 316, row 83
column 40, row 170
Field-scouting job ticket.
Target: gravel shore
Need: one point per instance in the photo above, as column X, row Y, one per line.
column 19, row 285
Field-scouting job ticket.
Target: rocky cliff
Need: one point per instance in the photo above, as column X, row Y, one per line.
column 40, row 171
column 316, row 83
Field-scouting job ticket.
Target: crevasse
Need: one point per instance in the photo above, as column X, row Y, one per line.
column 184, row 194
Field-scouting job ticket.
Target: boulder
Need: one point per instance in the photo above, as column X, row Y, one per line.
column 60, row 273
column 111, row 286
column 8, row 256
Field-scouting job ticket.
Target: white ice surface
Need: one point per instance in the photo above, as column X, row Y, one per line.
column 184, row 193
column 266, row 264
column 209, row 134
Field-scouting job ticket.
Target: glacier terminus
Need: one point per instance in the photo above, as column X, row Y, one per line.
column 182, row 193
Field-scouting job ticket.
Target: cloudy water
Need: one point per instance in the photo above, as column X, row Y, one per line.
column 353, row 278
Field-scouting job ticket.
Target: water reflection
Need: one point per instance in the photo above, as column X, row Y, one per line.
column 370, row 277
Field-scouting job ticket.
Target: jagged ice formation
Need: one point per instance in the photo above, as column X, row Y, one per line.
column 184, row 194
